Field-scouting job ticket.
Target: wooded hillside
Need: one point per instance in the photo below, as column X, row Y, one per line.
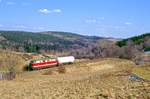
column 141, row 40
column 37, row 41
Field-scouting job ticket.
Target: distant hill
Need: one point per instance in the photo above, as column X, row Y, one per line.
column 141, row 40
column 50, row 40
column 71, row 36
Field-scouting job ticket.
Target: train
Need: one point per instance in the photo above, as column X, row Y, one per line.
column 50, row 62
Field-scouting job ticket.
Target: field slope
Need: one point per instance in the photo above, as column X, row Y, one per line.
column 86, row 79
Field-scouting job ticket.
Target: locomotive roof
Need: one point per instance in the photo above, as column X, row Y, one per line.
column 34, row 60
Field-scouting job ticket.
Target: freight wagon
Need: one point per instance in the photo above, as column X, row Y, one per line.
column 49, row 62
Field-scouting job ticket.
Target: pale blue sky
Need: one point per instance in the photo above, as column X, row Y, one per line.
column 109, row 18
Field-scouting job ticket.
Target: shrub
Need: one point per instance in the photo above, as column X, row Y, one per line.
column 61, row 69
column 10, row 62
column 48, row 72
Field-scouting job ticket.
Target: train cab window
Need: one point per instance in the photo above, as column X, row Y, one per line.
column 37, row 62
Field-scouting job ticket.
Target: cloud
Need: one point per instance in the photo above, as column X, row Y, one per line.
column 10, row 3
column 101, row 18
column 91, row 21
column 46, row 11
column 95, row 20
column 27, row 27
column 21, row 26
column 39, row 28
column 127, row 23
column 56, row 11
column 1, row 25
column 25, row 4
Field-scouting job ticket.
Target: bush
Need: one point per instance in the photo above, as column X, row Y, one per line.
column 61, row 69
column 48, row 72
column 10, row 62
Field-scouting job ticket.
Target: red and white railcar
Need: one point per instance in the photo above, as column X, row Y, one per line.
column 48, row 62
column 43, row 63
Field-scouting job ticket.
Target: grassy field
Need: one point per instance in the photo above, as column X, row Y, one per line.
column 143, row 72
column 10, row 61
column 86, row 79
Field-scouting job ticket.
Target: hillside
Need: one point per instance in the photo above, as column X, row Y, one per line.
column 71, row 36
column 86, row 79
column 141, row 40
column 36, row 41
column 11, row 61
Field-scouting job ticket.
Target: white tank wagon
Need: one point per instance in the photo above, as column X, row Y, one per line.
column 50, row 62
column 67, row 59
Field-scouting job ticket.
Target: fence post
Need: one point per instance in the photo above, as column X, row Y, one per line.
column 7, row 76
column 1, row 76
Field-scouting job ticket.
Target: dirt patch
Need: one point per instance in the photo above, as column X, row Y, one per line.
column 89, row 67
column 101, row 67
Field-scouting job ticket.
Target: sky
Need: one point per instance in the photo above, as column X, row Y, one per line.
column 107, row 18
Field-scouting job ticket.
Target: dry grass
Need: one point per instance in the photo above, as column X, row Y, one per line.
column 61, row 69
column 109, row 80
column 143, row 72
column 10, row 61
column 48, row 72
column 57, row 70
